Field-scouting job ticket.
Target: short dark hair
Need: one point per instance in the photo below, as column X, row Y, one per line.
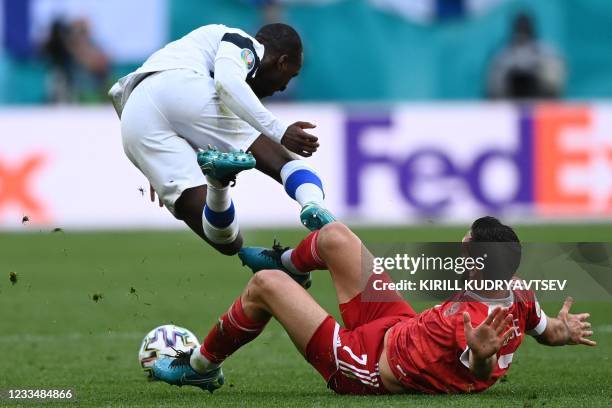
column 281, row 39
column 500, row 244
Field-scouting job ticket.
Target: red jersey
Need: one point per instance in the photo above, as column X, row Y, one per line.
column 429, row 353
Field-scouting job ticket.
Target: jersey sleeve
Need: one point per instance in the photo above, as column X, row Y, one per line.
column 236, row 61
column 536, row 318
column 451, row 315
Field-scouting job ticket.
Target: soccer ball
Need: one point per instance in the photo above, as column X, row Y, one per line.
column 163, row 341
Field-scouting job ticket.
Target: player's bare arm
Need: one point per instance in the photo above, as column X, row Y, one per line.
column 281, row 62
column 486, row 340
column 567, row 328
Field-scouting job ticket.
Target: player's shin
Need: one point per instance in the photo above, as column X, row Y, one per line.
column 219, row 218
column 302, row 183
column 233, row 330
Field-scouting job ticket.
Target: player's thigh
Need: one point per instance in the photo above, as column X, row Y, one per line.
column 189, row 102
column 289, row 303
column 348, row 261
column 351, row 266
column 165, row 158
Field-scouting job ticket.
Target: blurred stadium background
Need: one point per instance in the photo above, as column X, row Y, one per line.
column 430, row 113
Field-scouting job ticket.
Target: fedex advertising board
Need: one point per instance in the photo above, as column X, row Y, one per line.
column 457, row 162
column 396, row 165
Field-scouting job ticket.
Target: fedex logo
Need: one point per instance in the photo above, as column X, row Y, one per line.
column 561, row 160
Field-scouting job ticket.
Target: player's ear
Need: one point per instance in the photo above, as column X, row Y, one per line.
column 283, row 62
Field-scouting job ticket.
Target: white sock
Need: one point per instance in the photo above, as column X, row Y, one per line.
column 200, row 363
column 309, row 193
column 217, row 196
column 225, row 235
column 217, row 212
column 303, row 189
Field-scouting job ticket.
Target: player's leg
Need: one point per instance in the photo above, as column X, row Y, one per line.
column 300, row 180
column 219, row 228
column 268, row 294
column 351, row 267
column 336, row 248
column 169, row 162
column 186, row 100
column 276, row 294
column 271, row 157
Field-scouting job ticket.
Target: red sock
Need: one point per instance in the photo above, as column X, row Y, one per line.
column 305, row 257
column 234, row 330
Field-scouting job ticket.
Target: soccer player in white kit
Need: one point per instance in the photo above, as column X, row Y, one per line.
column 204, row 90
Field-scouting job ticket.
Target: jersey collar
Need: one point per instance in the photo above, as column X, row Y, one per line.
column 503, row 302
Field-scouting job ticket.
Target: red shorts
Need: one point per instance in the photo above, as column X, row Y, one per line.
column 347, row 358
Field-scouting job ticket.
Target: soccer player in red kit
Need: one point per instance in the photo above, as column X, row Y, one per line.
column 463, row 345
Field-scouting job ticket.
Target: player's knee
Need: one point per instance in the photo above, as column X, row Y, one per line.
column 334, row 236
column 267, row 282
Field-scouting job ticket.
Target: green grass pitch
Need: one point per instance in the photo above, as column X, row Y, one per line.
column 54, row 335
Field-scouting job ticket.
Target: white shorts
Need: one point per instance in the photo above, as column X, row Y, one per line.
column 167, row 117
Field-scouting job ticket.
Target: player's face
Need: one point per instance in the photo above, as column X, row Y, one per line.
column 275, row 76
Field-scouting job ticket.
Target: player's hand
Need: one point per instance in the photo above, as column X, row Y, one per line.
column 487, row 339
column 152, row 191
column 577, row 326
column 298, row 141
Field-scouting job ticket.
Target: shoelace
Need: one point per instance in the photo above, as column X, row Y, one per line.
column 276, row 251
column 181, row 358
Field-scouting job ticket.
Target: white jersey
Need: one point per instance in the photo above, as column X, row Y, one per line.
column 229, row 56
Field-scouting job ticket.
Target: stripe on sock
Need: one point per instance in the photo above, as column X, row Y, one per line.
column 220, row 219
column 299, row 177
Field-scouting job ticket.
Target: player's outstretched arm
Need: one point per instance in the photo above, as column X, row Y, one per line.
column 486, row 340
column 567, row 328
column 237, row 95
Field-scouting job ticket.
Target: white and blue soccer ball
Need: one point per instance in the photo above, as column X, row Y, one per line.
column 164, row 341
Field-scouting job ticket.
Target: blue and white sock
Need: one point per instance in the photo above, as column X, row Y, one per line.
column 219, row 218
column 302, row 183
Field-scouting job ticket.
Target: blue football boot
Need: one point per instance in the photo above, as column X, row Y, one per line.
column 224, row 166
column 259, row 258
column 314, row 217
column 177, row 371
